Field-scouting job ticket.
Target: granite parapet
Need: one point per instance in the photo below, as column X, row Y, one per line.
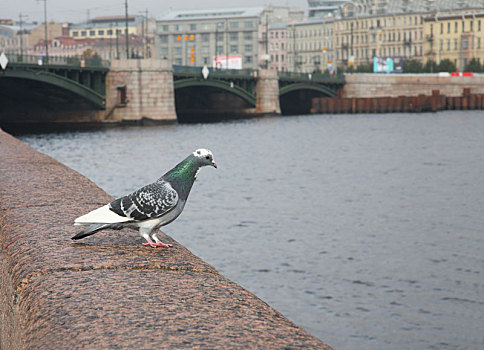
column 108, row 291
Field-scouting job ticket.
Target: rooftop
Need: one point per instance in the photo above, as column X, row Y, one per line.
column 235, row 12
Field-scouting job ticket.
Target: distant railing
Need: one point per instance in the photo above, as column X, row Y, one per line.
column 311, row 76
column 215, row 71
column 94, row 62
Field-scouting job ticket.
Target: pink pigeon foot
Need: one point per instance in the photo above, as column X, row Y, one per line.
column 157, row 244
column 150, row 243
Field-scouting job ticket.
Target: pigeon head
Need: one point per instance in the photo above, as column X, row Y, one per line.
column 204, row 157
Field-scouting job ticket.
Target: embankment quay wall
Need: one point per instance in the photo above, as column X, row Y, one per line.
column 109, row 291
column 395, row 85
column 375, row 93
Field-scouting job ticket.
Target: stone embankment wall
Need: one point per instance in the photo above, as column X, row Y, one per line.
column 395, row 85
column 404, row 93
column 109, row 291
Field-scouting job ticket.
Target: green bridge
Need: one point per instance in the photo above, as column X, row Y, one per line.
column 61, row 83
column 70, row 84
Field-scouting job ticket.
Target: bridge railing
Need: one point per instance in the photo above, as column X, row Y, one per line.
column 311, row 76
column 41, row 60
column 215, row 71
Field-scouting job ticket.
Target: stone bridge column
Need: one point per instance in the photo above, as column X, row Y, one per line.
column 267, row 92
column 140, row 90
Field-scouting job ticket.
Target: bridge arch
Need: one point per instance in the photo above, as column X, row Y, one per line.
column 304, row 86
column 64, row 84
column 218, row 84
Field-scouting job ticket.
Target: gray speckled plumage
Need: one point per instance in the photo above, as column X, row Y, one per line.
column 150, row 207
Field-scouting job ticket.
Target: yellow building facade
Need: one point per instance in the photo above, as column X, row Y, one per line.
column 358, row 39
column 310, row 45
column 107, row 27
column 456, row 37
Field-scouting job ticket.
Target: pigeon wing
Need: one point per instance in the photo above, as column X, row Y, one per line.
column 148, row 202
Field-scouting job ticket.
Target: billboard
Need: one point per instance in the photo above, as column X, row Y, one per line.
column 388, row 64
column 227, row 62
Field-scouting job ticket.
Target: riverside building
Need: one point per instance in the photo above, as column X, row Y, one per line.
column 216, row 36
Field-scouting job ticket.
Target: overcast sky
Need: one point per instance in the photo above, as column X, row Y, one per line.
column 77, row 11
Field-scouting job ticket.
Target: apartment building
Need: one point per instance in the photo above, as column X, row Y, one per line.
column 456, row 37
column 277, row 46
column 197, row 37
column 106, row 27
column 310, row 46
column 359, row 39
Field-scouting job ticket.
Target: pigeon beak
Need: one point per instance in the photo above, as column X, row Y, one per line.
column 214, row 165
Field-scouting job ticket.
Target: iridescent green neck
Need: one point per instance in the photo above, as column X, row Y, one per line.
column 183, row 175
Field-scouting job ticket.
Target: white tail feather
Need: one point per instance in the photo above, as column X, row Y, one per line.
column 102, row 215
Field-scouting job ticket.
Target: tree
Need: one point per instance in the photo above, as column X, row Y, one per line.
column 412, row 66
column 429, row 67
column 88, row 53
column 474, row 66
column 364, row 68
column 446, row 66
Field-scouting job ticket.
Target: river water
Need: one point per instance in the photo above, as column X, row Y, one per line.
column 366, row 230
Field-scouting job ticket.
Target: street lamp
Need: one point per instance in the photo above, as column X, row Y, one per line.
column 45, row 29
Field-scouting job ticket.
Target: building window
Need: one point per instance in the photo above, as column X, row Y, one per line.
column 92, row 33
column 248, row 59
column 110, row 32
column 83, row 33
column 220, row 49
column 448, row 44
column 465, row 43
column 248, row 48
column 100, row 32
column 456, row 27
column 178, row 61
column 164, row 27
column 178, row 27
column 205, row 37
column 75, row 33
column 448, row 27
column 220, row 25
column 164, row 51
column 177, row 51
column 233, row 48
column 193, row 26
column 234, row 25
column 248, row 35
column 220, row 37
column 479, row 25
column 248, row 24
column 478, row 43
column 234, row 36
column 456, row 46
column 164, row 38
column 441, row 28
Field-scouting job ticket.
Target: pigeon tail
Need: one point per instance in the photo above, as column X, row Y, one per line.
column 90, row 230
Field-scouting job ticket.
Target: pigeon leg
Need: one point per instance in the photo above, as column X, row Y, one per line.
column 146, row 236
column 160, row 243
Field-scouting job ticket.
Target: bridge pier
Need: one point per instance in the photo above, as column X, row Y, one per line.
column 267, row 93
column 140, row 90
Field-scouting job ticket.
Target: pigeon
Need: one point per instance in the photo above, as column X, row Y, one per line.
column 150, row 207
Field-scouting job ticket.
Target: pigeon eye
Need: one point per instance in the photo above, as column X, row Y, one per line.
column 207, row 157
